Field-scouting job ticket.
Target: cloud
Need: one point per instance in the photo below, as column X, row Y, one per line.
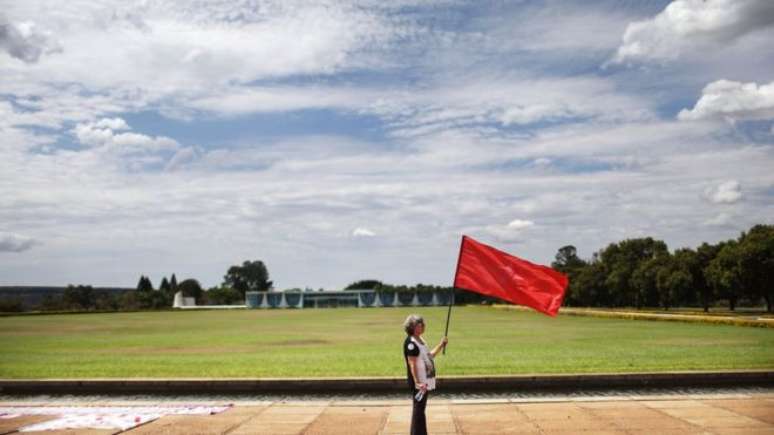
column 10, row 242
column 725, row 99
column 24, row 41
column 362, row 232
column 727, row 192
column 518, row 224
column 182, row 157
column 686, row 25
column 513, row 232
column 101, row 135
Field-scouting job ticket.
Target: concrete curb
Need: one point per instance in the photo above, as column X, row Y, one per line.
column 451, row 384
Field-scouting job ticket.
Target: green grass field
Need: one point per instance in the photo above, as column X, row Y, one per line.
column 361, row 342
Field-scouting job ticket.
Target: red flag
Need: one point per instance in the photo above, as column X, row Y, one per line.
column 491, row 272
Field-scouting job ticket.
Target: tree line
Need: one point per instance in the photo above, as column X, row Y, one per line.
column 638, row 272
column 641, row 272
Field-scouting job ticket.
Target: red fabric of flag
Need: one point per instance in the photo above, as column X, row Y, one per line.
column 491, row 272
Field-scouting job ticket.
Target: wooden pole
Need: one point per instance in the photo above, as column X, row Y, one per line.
column 448, row 316
column 451, row 297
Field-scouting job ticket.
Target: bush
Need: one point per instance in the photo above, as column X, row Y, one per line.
column 11, row 305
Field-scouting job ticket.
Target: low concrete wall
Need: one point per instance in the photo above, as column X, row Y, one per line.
column 451, row 384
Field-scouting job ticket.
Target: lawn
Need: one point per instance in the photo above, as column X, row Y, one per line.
column 361, row 342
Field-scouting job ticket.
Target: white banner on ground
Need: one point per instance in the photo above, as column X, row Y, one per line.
column 106, row 417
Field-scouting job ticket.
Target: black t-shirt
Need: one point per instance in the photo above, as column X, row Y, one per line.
column 410, row 349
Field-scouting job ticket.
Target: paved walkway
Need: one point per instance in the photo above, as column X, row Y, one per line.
column 720, row 414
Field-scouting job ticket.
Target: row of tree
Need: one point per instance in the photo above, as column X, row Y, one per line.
column 639, row 273
column 643, row 273
column 239, row 279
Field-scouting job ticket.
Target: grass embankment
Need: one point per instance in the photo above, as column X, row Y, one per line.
column 362, row 342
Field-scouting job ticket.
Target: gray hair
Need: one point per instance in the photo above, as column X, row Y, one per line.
column 411, row 322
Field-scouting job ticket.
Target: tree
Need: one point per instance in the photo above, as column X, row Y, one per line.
column 144, row 285
column 566, row 260
column 587, row 288
column 621, row 260
column 164, row 286
column 723, row 273
column 250, row 276
column 191, row 288
column 756, row 263
column 704, row 255
column 672, row 281
column 644, row 281
column 78, row 297
column 364, row 284
column 223, row 296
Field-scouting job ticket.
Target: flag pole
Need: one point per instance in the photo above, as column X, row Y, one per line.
column 451, row 296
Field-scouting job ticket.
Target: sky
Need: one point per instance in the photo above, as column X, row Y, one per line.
column 360, row 139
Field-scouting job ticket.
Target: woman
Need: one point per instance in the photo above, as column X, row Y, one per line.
column 420, row 369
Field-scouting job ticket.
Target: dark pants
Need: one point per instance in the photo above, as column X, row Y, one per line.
column 418, row 421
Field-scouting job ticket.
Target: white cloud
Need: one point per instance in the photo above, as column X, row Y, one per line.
column 519, row 224
column 25, row 41
column 688, row 25
column 727, row 192
column 112, row 124
column 513, row 232
column 362, row 232
column 100, row 135
column 176, row 46
column 10, row 242
column 734, row 101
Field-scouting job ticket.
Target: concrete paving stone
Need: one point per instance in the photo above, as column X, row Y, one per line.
column 394, row 427
column 371, row 402
column 295, row 410
column 479, row 401
column 703, row 411
column 651, row 397
column 662, row 422
column 263, row 428
column 579, row 424
column 497, row 427
column 8, row 425
column 304, row 403
column 737, row 403
column 765, row 415
column 623, row 405
column 739, row 421
column 363, row 420
column 759, row 410
column 566, row 414
column 689, row 431
column 631, row 413
column 733, row 431
column 198, row 424
column 719, row 396
column 503, row 414
column 440, row 427
column 672, row 403
column 590, row 399
column 585, row 432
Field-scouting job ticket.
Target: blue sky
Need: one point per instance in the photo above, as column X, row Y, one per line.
column 344, row 140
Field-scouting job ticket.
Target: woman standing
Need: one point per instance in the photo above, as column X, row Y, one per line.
column 420, row 370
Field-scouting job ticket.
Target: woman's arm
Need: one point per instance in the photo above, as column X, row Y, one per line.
column 440, row 346
column 412, row 360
